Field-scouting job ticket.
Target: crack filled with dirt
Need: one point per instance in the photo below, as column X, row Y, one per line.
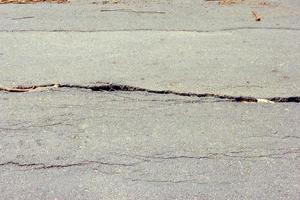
column 111, row 87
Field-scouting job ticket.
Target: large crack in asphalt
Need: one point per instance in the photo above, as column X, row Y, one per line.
column 111, row 87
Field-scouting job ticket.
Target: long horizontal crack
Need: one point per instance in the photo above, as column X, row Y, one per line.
column 39, row 166
column 232, row 155
column 111, row 87
column 149, row 158
column 152, row 30
column 133, row 11
column 167, row 181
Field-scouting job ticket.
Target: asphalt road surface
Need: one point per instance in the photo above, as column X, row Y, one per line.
column 176, row 128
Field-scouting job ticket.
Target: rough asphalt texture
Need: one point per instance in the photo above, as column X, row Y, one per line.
column 64, row 143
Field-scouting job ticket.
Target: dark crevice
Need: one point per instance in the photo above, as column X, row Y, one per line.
column 295, row 99
column 110, row 87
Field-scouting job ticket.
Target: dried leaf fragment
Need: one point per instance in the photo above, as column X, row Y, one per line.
column 264, row 101
column 257, row 17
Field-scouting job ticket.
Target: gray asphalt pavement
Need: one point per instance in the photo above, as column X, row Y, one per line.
column 75, row 143
column 242, row 62
column 194, row 46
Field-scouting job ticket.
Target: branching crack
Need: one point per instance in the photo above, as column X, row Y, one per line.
column 111, row 87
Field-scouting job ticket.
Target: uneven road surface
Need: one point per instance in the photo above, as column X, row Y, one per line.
column 150, row 100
